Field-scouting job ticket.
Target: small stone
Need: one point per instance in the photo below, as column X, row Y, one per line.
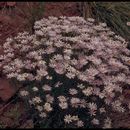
column 12, row 4
column 6, row 89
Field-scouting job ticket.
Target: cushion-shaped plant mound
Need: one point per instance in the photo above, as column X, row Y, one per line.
column 74, row 71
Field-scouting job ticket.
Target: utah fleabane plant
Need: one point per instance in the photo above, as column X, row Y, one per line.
column 73, row 71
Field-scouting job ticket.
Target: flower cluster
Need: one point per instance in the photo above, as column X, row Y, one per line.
column 72, row 67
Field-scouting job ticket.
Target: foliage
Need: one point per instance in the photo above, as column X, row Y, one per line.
column 115, row 14
column 32, row 12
